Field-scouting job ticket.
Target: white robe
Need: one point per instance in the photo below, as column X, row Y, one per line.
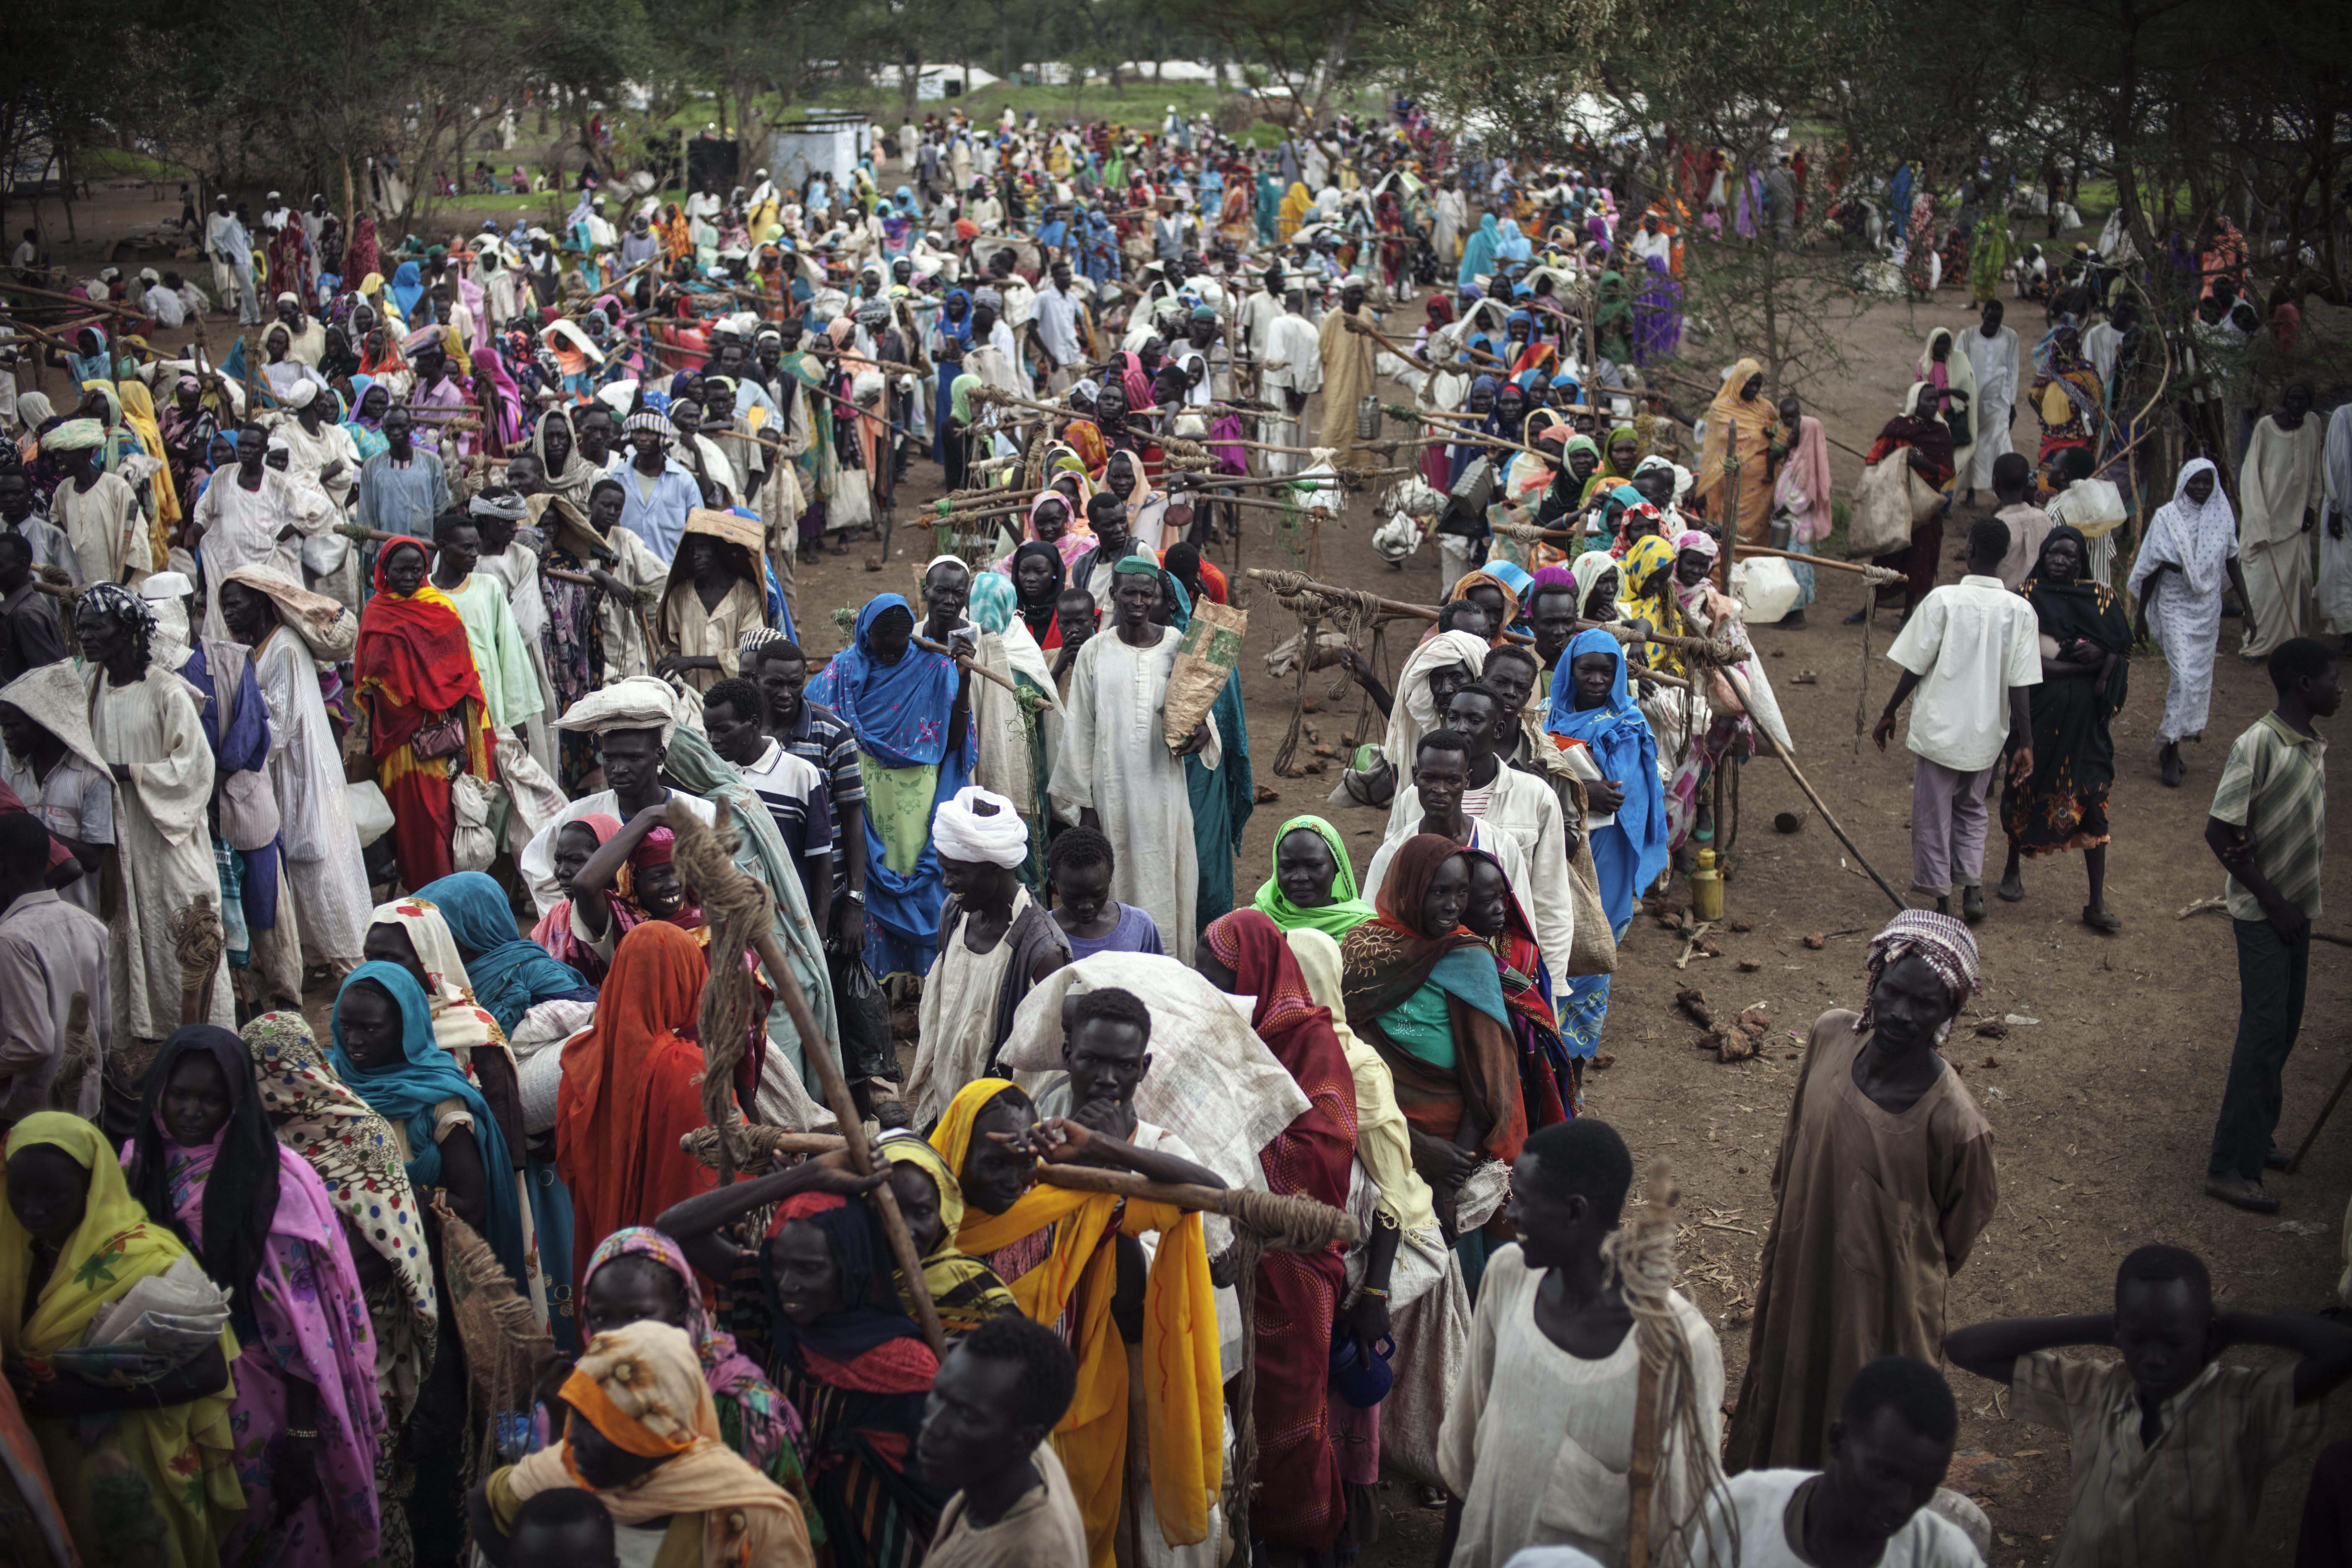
column 517, row 571
column 323, row 863
column 2277, row 484
column 2183, row 619
column 2335, row 553
column 1114, row 762
column 1994, row 361
column 163, row 850
column 239, row 528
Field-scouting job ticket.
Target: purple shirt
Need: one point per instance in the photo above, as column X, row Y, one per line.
column 1136, row 932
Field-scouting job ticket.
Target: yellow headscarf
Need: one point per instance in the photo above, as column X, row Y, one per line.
column 138, row 414
column 966, row 1292
column 1294, row 203
column 114, row 1247
column 1182, row 1379
column 1658, row 605
column 1751, row 420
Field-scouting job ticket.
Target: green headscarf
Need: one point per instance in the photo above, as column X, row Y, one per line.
column 959, row 392
column 1347, row 910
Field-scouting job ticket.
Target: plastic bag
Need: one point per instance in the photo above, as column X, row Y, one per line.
column 370, row 813
column 867, row 1050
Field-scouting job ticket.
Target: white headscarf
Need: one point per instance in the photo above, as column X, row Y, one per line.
column 2196, row 539
column 999, row 837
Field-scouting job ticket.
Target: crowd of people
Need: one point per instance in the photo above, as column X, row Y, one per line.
column 403, row 710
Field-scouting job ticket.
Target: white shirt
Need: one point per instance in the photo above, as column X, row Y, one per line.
column 1969, row 642
column 165, row 305
column 1760, row 1503
column 1057, row 324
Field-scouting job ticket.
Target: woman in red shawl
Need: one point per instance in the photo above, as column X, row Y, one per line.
column 361, row 257
column 415, row 675
column 1548, row 1075
column 1929, row 441
column 632, row 1087
column 1423, row 992
column 1301, row 1504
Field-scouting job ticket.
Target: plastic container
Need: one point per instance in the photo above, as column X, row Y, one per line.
column 1707, row 888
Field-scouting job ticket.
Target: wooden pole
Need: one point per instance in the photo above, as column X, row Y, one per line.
column 817, row 1050
column 964, row 659
column 1739, row 689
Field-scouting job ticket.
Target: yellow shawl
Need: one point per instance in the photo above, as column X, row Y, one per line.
column 1183, row 1382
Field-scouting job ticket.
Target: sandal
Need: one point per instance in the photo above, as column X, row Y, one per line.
column 2105, row 922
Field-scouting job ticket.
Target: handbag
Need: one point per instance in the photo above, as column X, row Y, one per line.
column 442, row 737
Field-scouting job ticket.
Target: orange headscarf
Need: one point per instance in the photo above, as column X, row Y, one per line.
column 617, row 1090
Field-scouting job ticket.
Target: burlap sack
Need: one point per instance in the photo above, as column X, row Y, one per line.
column 1206, row 658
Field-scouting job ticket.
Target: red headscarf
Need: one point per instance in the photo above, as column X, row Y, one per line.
column 631, row 1082
column 1313, row 1154
column 412, row 652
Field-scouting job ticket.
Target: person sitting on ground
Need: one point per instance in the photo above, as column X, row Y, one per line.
column 2138, row 1425
column 994, row 944
column 1079, row 869
column 641, row 1433
column 1878, row 1500
column 998, row 1397
column 1538, row 1437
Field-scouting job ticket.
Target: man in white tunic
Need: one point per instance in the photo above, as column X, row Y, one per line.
column 1115, row 772
column 1290, row 342
column 1991, row 352
column 2189, row 556
column 1539, row 1437
column 324, row 868
column 252, row 515
column 97, row 511
column 144, row 722
column 2278, row 489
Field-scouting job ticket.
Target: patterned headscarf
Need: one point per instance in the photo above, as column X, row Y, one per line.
column 769, row 1421
column 1942, row 940
column 358, row 1160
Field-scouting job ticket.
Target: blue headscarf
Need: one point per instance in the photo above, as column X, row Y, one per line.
column 1461, row 455
column 1510, row 244
column 900, row 712
column 510, row 974
column 405, row 1091
column 1631, row 852
column 1478, row 251
column 408, row 287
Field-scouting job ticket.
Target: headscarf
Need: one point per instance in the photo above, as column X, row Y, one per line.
column 653, row 992
column 1510, row 599
column 406, row 1092
column 508, row 975
column 1586, row 570
column 1311, row 1156
column 1335, row 920
column 897, row 711
column 1647, row 592
column 138, row 414
column 1183, row 1384
column 1942, row 940
column 965, row 1291
column 769, row 1421
column 642, row 1386
column 241, row 1188
column 1413, row 714
column 459, row 1022
column 1752, row 416
column 412, row 648
column 1410, row 954
column 408, row 287
column 553, row 933
column 1621, row 745
column 352, row 1148
column 1039, row 615
column 116, row 1247
column 2196, row 539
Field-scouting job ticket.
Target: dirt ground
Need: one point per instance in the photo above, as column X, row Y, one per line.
column 2092, row 1163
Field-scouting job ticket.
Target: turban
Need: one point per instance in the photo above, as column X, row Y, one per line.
column 1944, row 942
column 646, row 419
column 961, row 833
column 636, row 702
column 291, row 299
column 75, row 436
column 113, row 599
column 1203, row 313
column 303, row 394
column 166, row 586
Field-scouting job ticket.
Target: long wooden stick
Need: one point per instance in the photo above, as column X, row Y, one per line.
column 107, row 306
column 817, row 1050
column 1739, row 689
column 964, row 659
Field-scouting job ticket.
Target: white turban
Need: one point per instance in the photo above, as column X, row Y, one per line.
column 166, row 595
column 636, row 702
column 961, row 833
column 304, row 393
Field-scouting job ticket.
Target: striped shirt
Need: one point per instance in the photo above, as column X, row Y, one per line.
column 2274, row 786
column 2187, row 1501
